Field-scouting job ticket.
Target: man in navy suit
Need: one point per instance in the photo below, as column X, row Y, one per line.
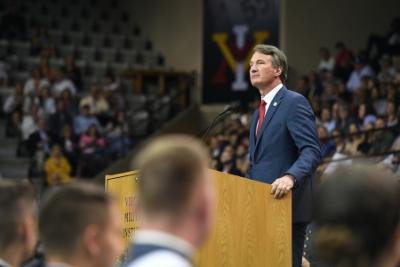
column 284, row 148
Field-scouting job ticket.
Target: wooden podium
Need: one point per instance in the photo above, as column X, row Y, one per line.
column 251, row 228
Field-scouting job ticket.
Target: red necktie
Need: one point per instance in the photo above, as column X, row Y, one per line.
column 261, row 115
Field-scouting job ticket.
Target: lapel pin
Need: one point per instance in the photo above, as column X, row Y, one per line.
column 275, row 104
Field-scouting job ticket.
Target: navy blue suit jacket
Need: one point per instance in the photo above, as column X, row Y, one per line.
column 287, row 144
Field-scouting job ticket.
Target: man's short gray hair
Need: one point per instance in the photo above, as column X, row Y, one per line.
column 278, row 58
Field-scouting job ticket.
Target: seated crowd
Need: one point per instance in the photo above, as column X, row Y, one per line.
column 64, row 134
column 355, row 98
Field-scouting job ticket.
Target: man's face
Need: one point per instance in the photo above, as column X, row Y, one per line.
column 85, row 111
column 226, row 156
column 262, row 73
column 111, row 241
column 322, row 133
column 325, row 114
column 379, row 124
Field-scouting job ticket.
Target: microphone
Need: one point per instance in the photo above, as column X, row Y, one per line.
column 228, row 109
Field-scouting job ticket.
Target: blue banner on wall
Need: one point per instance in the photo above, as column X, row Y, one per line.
column 231, row 29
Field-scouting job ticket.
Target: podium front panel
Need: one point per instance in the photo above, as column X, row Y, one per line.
column 251, row 227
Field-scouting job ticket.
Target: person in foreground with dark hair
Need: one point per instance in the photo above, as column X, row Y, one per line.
column 357, row 215
column 18, row 222
column 80, row 225
column 175, row 201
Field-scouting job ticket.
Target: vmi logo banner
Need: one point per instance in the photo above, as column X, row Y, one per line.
column 231, row 29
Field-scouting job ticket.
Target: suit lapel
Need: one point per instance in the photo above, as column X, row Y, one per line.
column 273, row 106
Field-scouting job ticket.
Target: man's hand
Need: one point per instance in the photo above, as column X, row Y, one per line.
column 282, row 186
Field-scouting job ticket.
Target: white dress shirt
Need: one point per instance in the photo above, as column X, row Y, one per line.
column 270, row 96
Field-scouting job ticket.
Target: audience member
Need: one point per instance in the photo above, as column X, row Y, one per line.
column 382, row 140
column 242, row 159
column 340, row 155
column 345, row 118
column 357, row 218
column 18, row 222
column 98, row 104
column 62, row 83
column 388, row 72
column 389, row 43
column 72, row 72
column 60, row 118
column 117, row 135
column 93, row 148
column 70, row 147
column 38, row 146
column 83, row 121
column 29, row 122
column 326, row 62
column 354, row 140
column 57, row 167
column 13, row 109
column 343, row 60
column 391, row 114
column 80, row 225
column 228, row 161
column 366, row 114
column 110, row 82
column 46, row 101
column 326, row 119
column 35, row 82
column 361, row 69
column 328, row 146
column 176, row 202
column 70, row 102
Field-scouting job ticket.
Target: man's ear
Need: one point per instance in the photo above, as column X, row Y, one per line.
column 23, row 229
column 206, row 204
column 28, row 233
column 91, row 240
column 278, row 71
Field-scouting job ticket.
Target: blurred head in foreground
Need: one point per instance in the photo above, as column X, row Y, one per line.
column 176, row 194
column 358, row 218
column 18, row 221
column 80, row 225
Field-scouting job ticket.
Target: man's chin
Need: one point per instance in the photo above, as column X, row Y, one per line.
column 256, row 84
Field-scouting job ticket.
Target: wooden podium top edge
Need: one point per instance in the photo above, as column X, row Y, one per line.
column 119, row 175
column 245, row 178
column 128, row 173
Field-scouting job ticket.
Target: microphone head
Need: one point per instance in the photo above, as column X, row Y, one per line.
column 228, row 108
column 235, row 106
